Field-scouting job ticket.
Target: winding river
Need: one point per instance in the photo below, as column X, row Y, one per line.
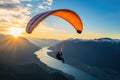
column 54, row 63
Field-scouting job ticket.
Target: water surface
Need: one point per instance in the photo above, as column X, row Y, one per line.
column 56, row 64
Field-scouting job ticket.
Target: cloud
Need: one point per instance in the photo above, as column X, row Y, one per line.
column 9, row 1
column 46, row 4
column 43, row 28
column 29, row 5
column 26, row 0
column 41, row 7
column 8, row 5
column 2, row 20
column 13, row 14
column 47, row 29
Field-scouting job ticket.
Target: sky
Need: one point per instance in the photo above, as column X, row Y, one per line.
column 101, row 18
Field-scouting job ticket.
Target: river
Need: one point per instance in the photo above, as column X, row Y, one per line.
column 56, row 64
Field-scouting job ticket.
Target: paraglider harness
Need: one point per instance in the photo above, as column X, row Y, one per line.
column 58, row 56
column 59, row 53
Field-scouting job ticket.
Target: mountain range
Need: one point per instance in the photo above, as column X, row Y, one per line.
column 43, row 42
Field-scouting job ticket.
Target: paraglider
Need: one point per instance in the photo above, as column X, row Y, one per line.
column 59, row 51
column 65, row 14
column 68, row 15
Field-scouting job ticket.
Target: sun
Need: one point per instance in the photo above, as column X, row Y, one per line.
column 16, row 32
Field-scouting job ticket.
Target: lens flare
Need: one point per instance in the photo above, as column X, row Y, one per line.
column 16, row 32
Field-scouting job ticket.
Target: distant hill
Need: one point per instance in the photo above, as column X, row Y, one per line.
column 100, row 57
column 43, row 42
column 18, row 61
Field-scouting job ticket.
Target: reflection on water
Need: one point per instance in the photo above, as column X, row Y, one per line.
column 54, row 63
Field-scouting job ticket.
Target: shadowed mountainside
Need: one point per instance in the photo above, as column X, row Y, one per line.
column 99, row 57
column 16, row 50
column 29, row 72
column 18, row 62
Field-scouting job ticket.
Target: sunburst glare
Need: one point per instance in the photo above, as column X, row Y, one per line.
column 16, row 32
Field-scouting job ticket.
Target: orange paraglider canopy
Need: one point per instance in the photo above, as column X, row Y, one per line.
column 65, row 14
column 72, row 18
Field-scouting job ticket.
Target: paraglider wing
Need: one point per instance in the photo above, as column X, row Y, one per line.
column 65, row 14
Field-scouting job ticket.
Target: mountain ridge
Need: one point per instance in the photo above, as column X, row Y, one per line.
column 43, row 42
